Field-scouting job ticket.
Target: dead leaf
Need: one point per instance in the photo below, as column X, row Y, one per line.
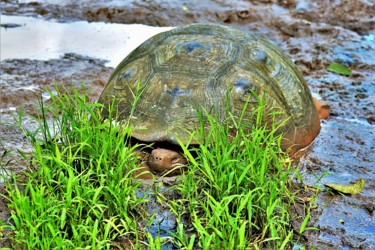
column 355, row 188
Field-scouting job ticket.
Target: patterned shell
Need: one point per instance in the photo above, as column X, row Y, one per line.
column 199, row 66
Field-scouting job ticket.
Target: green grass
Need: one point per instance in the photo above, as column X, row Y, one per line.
column 80, row 190
column 235, row 193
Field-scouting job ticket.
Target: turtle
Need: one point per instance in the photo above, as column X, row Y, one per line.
column 198, row 66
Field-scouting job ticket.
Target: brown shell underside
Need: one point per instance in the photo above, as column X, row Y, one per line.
column 195, row 67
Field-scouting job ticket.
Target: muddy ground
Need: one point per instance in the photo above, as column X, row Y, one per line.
column 314, row 33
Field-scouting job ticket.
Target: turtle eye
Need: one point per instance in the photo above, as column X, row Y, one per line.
column 175, row 159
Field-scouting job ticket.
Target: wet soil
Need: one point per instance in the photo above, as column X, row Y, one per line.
column 314, row 33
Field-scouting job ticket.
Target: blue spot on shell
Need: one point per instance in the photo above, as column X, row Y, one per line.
column 242, row 87
column 277, row 70
column 176, row 92
column 128, row 74
column 242, row 83
column 259, row 55
column 193, row 47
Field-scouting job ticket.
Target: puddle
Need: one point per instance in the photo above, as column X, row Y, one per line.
column 164, row 221
column 44, row 40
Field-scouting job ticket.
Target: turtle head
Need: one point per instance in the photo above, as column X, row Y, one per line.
column 163, row 160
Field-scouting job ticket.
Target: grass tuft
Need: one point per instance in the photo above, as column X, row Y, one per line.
column 235, row 193
column 80, row 191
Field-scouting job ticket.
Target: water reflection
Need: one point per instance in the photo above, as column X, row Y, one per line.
column 35, row 38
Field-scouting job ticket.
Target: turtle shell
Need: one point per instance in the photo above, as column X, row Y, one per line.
column 198, row 67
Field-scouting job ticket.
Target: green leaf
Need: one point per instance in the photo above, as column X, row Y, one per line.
column 339, row 69
column 304, row 223
column 355, row 188
column 63, row 218
column 191, row 241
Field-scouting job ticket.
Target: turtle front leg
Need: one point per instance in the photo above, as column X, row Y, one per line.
column 143, row 172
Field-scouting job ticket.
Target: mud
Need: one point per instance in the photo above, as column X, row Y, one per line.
column 314, row 33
